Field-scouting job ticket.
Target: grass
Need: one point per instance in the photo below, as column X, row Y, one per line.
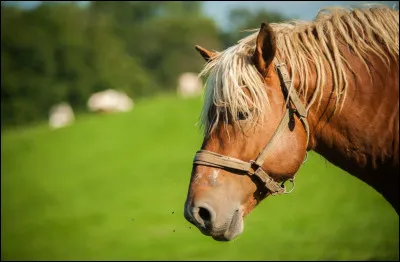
column 112, row 187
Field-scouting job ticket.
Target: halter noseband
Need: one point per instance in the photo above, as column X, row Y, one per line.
column 254, row 167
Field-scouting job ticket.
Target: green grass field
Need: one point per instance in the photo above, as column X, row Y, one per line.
column 112, row 187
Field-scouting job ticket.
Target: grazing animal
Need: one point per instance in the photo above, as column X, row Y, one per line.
column 109, row 101
column 330, row 85
column 189, row 85
column 61, row 115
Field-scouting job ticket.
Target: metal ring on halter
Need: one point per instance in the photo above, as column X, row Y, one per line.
column 306, row 157
column 291, row 181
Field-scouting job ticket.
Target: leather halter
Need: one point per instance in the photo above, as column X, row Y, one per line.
column 254, row 167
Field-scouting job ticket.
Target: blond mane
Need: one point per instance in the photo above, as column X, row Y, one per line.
column 302, row 45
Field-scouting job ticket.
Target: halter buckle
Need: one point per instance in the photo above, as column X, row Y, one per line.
column 291, row 180
column 305, row 158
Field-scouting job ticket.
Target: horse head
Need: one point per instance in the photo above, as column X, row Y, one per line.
column 256, row 136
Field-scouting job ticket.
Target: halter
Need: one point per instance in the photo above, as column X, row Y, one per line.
column 254, row 167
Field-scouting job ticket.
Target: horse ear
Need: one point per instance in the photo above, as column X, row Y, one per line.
column 207, row 55
column 265, row 48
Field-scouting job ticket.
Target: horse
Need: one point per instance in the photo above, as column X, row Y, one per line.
column 330, row 86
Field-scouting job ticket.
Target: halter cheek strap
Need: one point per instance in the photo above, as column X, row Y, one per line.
column 298, row 105
column 254, row 167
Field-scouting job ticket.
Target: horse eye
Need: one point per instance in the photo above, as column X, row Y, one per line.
column 242, row 116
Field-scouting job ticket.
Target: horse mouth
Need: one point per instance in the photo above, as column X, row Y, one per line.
column 234, row 229
column 225, row 232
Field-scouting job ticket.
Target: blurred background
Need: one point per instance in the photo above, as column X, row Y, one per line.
column 99, row 112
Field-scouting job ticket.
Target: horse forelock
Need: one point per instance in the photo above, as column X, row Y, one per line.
column 228, row 73
column 303, row 46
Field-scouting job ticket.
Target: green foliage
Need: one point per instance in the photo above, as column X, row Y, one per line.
column 113, row 187
column 62, row 52
column 163, row 36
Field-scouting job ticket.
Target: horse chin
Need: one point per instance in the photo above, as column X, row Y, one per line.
column 234, row 229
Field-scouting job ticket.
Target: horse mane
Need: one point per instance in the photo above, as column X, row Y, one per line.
column 302, row 45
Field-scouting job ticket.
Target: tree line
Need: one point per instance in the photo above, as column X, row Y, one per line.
column 64, row 52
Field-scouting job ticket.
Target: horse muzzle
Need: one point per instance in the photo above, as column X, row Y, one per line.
column 221, row 225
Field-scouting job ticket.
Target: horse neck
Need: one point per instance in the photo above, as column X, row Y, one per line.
column 363, row 137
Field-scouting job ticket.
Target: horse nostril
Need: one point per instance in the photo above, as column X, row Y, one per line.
column 204, row 214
